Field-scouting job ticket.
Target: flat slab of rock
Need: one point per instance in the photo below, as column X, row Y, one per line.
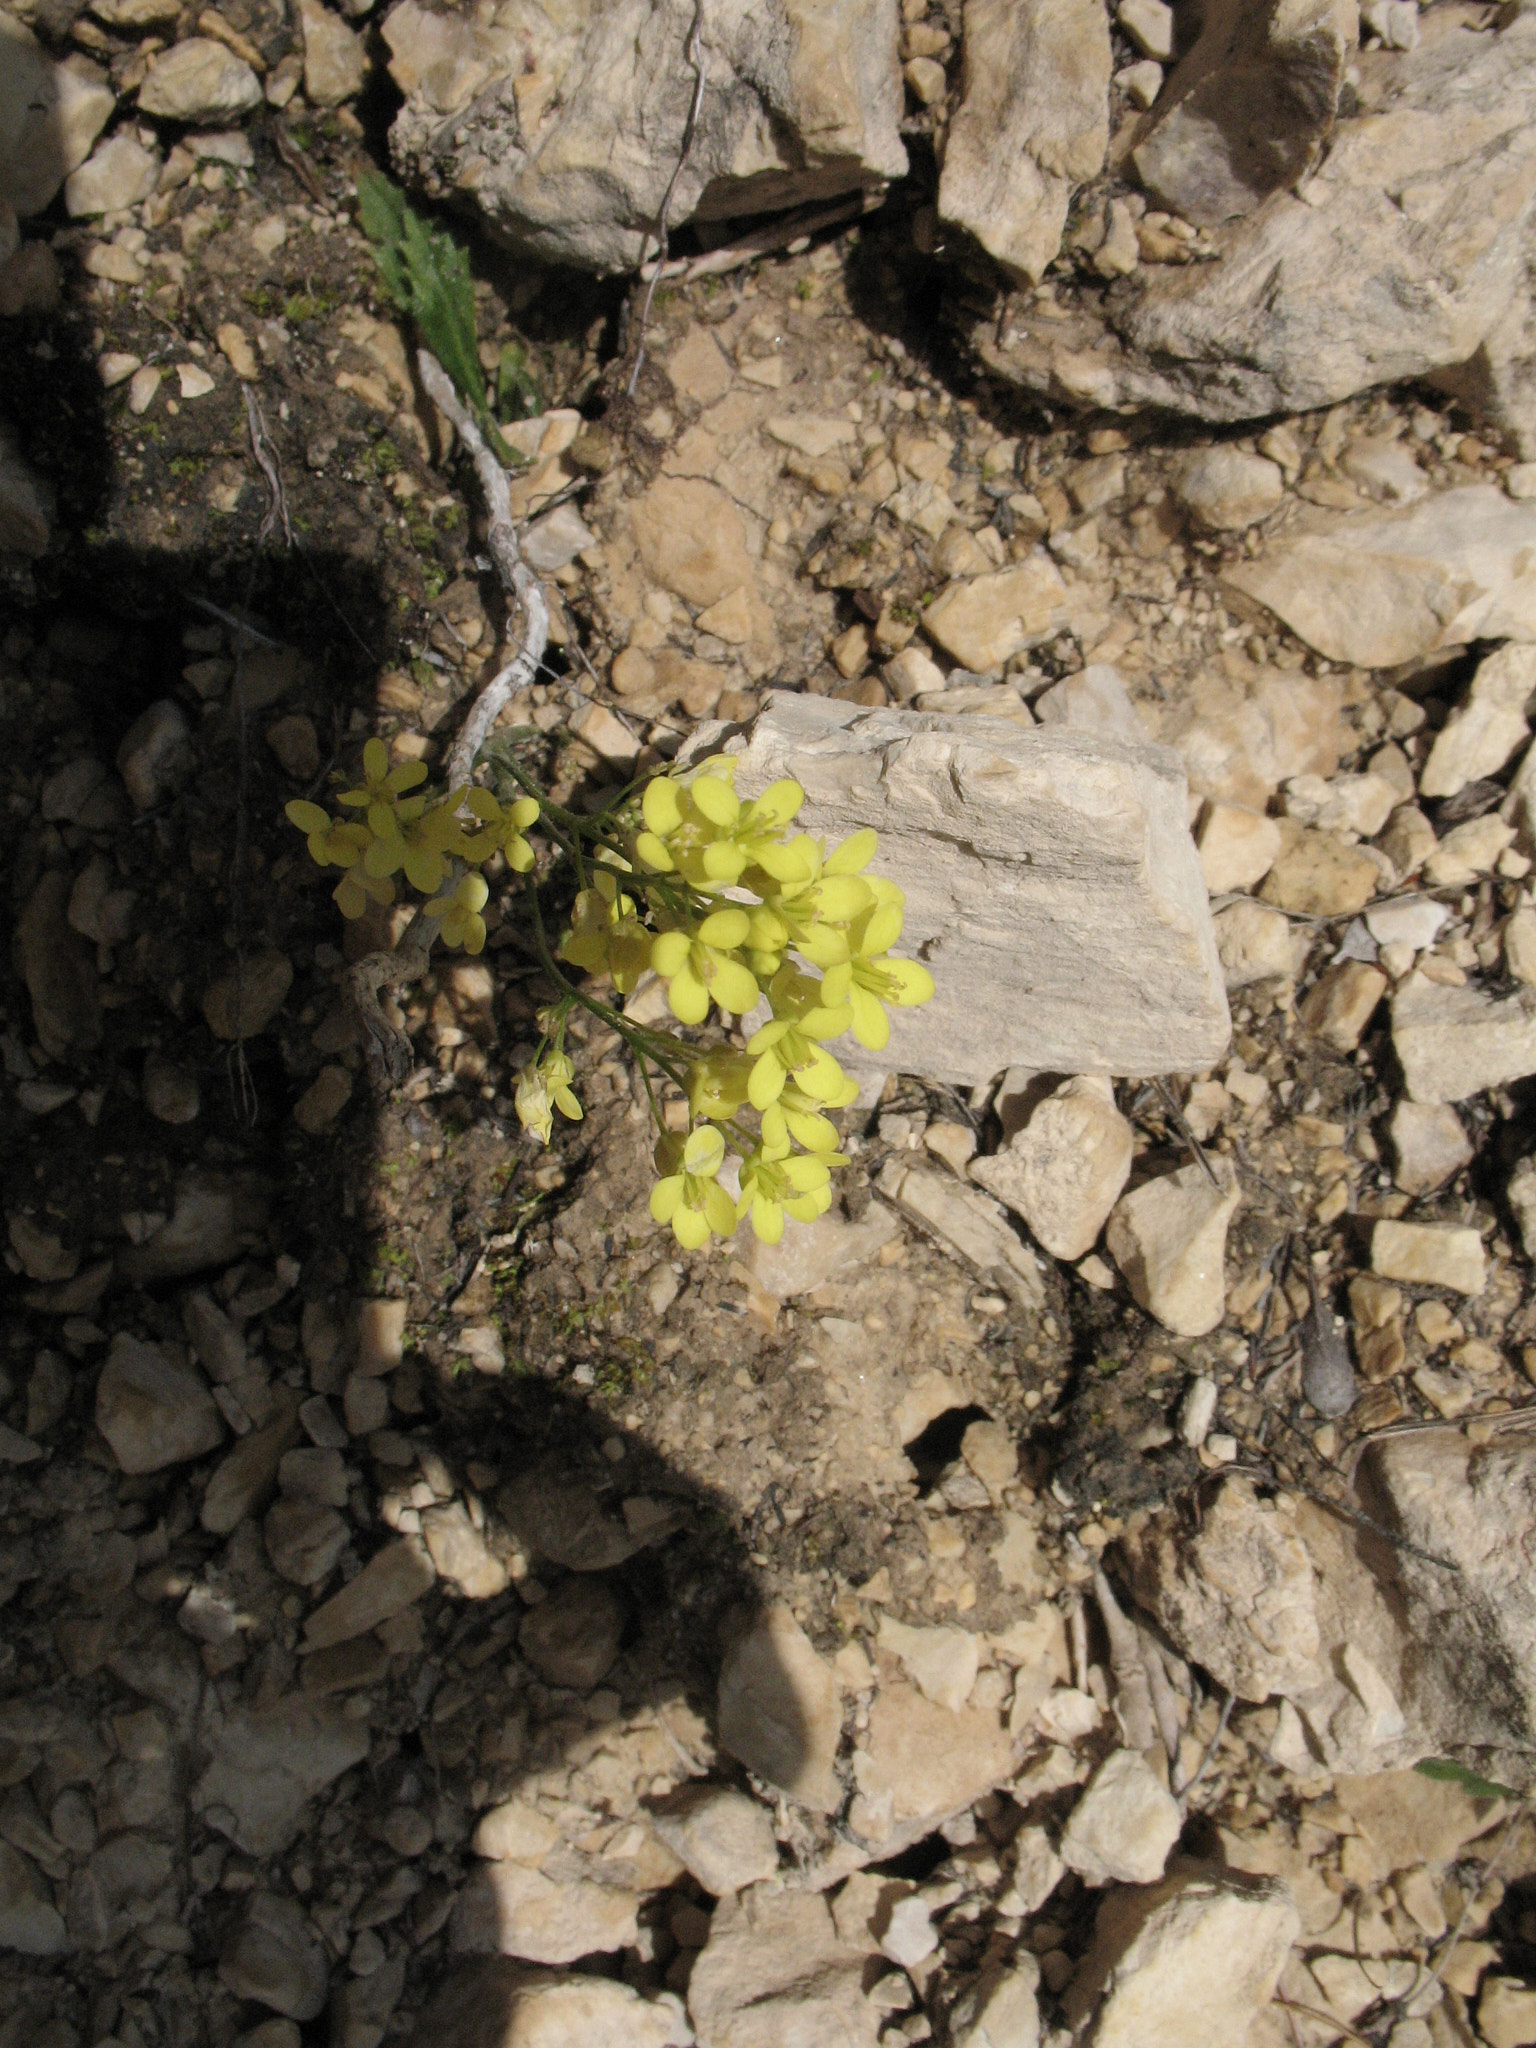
column 496, row 2004
column 268, row 1762
column 1192, row 1959
column 1123, row 1827
column 568, row 128
column 780, row 1712
column 391, row 1579
column 153, row 1411
column 1051, row 883
column 1455, row 1042
column 1388, row 587
column 508, row 1909
column 775, row 1970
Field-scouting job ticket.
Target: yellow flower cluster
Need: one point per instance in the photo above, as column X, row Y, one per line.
column 729, row 906
column 393, row 831
column 733, row 910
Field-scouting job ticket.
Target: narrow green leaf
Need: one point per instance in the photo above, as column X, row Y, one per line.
column 1447, row 1772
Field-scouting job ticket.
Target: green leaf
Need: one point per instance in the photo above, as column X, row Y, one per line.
column 1445, row 1772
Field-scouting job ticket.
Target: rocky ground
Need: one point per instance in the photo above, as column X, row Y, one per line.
column 1008, row 1612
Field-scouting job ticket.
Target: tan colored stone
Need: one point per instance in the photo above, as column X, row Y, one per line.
column 691, row 538
column 1168, row 1237
column 1318, row 874
column 1065, row 1170
column 1429, row 1255
column 779, row 1710
column 1237, row 847
column 1342, row 1003
column 984, row 623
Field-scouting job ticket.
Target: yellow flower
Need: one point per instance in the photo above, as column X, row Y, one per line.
column 790, row 1043
column 690, row 1198
column 501, row 830
column 543, row 1088
column 357, row 889
column 815, row 913
column 331, row 843
column 702, row 829
column 870, row 976
column 700, row 967
column 381, row 783
column 717, row 1084
column 460, row 912
column 796, row 1117
column 772, row 1189
column 606, row 935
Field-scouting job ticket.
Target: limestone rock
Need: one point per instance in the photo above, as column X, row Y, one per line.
column 1454, row 1042
column 1000, row 2009
column 1380, row 588
column 918, row 1763
column 1072, row 934
column 1248, row 110
column 1093, row 700
column 1194, row 1958
column 1121, row 1830
column 500, row 2004
column 507, row 1909
column 1065, row 1170
column 30, row 1923
column 1343, row 1001
column 941, row 1662
column 1429, row 1255
column 391, row 1580
column 1319, row 874
column 1431, row 1146
column 246, row 1003
column 334, row 65
column 276, row 1958
column 1311, row 302
column 722, row 1837
column 50, row 114
column 969, row 1223
column 1031, row 126
column 1521, row 1195
column 1225, row 489
column 26, row 499
column 155, row 758
column 1481, row 736
column 1257, row 944
column 807, row 1255
column 120, row 173
column 1238, row 847
column 304, row 1540
column 200, row 81
column 59, row 969
column 775, row 1970
column 1237, row 1593
column 214, row 1218
column 984, row 622
column 463, row 1557
column 572, row 1638
column 779, row 1710
column 268, row 1762
column 568, row 126
column 1169, row 1236
column 248, row 1474
column 151, row 1410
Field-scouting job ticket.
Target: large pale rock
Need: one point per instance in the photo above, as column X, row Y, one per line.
column 1454, row 1042
column 1051, row 885
column 201, row 81
column 334, row 63
column 50, row 114
column 152, row 1410
column 569, row 123
column 969, row 1223
column 1169, row 1239
column 1064, row 1171
column 774, row 1971
column 391, row 1580
column 1194, row 1958
column 1000, row 2009
column 499, row 2004
column 1380, row 588
column 1225, row 489
column 1248, row 110
column 986, row 621
column 779, row 1710
column 508, row 1909
column 1478, row 738
column 1407, row 256
column 268, row 1762
column 1032, row 125
column 120, row 173
column 722, row 1837
column 918, row 1763
column 1123, row 1827
column 1257, row 944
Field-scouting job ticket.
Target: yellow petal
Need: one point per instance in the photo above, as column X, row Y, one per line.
column 669, row 953
column 725, row 928
column 660, row 806
column 375, row 760
column 666, row 1195
column 715, row 799
column 733, row 986
column 690, row 1229
column 308, row 817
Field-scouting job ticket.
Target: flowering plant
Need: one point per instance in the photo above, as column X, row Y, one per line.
column 734, row 911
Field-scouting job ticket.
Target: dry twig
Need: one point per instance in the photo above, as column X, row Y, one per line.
column 694, row 51
column 389, row 1050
